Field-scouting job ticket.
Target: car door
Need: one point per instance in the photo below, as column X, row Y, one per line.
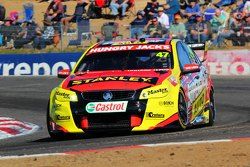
column 200, row 82
column 192, row 83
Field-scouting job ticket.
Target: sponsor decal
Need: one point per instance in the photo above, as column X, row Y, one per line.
column 197, row 45
column 163, row 90
column 173, row 80
column 129, row 47
column 162, row 54
column 129, row 43
column 166, row 103
column 149, row 80
column 152, row 115
column 62, row 117
column 191, row 66
column 134, row 42
column 195, row 87
column 106, row 107
column 199, row 102
column 63, row 94
column 57, row 106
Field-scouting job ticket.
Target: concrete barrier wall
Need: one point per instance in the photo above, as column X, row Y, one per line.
column 228, row 62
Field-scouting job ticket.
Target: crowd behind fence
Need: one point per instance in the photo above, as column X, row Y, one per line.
column 211, row 24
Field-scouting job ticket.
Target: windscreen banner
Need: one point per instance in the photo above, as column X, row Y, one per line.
column 44, row 64
column 219, row 62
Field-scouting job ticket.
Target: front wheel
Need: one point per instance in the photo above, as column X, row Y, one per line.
column 182, row 111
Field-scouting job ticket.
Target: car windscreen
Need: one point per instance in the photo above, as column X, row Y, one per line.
column 126, row 60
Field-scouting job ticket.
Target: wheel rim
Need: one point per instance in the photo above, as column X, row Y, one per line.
column 182, row 110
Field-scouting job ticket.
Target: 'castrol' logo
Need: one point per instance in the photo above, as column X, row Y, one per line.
column 106, row 107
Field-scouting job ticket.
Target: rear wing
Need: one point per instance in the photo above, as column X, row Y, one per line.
column 200, row 47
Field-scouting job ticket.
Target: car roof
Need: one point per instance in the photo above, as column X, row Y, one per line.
column 152, row 41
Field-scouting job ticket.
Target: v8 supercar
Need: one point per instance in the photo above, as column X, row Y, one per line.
column 132, row 85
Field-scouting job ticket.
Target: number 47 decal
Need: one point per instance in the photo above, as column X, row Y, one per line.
column 162, row 54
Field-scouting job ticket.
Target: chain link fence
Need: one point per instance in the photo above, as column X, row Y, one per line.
column 79, row 35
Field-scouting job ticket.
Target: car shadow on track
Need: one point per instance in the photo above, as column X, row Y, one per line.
column 107, row 134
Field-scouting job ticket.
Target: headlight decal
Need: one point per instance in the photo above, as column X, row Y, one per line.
column 154, row 92
column 65, row 95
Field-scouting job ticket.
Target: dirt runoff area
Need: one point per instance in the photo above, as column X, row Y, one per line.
column 228, row 154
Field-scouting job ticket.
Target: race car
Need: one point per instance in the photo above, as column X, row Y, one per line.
column 134, row 85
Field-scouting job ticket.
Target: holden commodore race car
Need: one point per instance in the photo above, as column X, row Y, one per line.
column 135, row 85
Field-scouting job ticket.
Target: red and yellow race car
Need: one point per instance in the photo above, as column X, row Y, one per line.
column 135, row 85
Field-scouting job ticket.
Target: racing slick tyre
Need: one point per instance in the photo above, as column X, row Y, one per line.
column 211, row 109
column 53, row 135
column 182, row 112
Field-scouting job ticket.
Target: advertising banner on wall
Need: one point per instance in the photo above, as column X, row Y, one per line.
column 231, row 62
column 223, row 62
column 36, row 64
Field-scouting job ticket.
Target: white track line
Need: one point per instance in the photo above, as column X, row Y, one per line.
column 30, row 156
column 186, row 143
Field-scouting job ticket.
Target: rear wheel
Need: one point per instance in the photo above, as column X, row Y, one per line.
column 211, row 109
column 182, row 111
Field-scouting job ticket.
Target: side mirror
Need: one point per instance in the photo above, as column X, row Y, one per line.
column 63, row 73
column 190, row 68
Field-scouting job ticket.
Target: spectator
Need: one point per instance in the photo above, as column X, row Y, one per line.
column 183, row 4
column 163, row 18
column 109, row 31
column 177, row 29
column 79, row 11
column 205, row 2
column 239, row 6
column 2, row 12
column 224, row 3
column 154, row 28
column 191, row 11
column 218, row 21
column 99, row 4
column 118, row 4
column 238, row 37
column 27, row 35
column 44, row 38
column 12, row 20
column 246, row 28
column 10, row 28
column 209, row 12
column 95, row 8
column 170, row 8
column 137, row 26
column 246, row 8
column 222, row 35
column 199, row 31
column 151, row 9
column 57, row 11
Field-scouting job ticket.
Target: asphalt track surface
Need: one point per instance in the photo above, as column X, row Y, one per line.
column 25, row 99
